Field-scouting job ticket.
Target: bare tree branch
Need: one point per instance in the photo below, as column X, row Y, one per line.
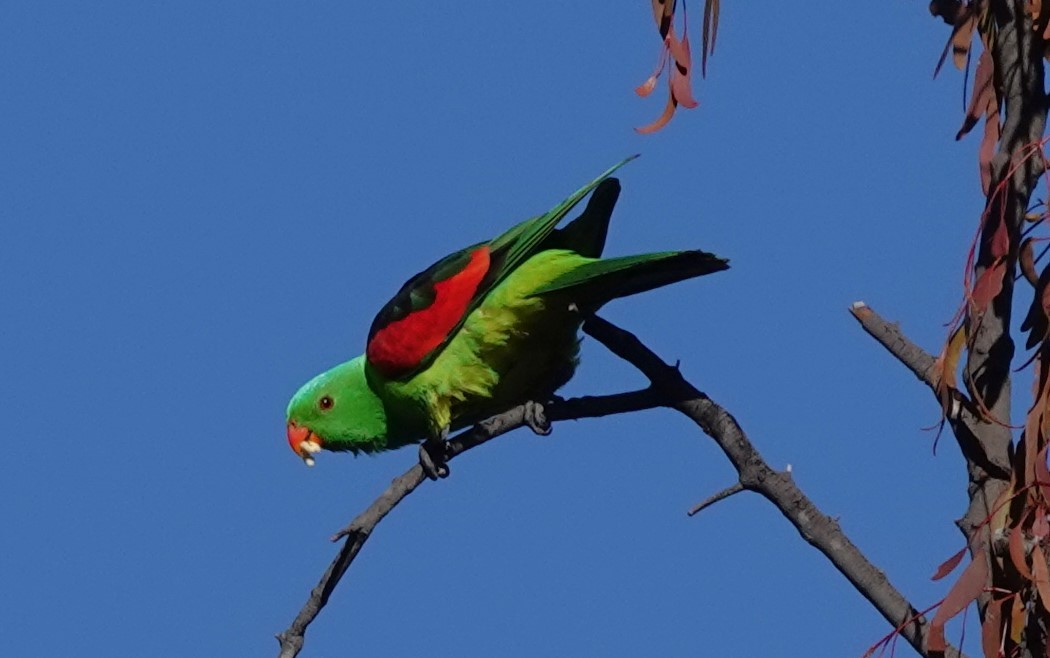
column 820, row 530
column 359, row 530
column 668, row 388
column 889, row 335
column 963, row 416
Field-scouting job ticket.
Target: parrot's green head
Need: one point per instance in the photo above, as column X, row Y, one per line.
column 336, row 410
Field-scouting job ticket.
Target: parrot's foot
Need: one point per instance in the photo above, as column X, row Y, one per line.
column 536, row 418
column 433, row 456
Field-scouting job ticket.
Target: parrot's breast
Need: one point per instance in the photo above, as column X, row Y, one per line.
column 512, row 348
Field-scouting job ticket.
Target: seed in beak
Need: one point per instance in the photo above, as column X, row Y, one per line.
column 309, row 449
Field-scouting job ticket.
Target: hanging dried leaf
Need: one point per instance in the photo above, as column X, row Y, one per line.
column 983, row 94
column 992, row 628
column 662, row 120
column 987, row 149
column 987, row 287
column 1042, row 576
column 646, row 87
column 1027, row 262
column 675, row 55
column 681, row 91
column 962, row 37
column 1000, row 245
column 1027, row 446
column 965, row 590
column 679, row 49
column 1040, row 530
column 945, row 367
column 680, row 85
column 1017, row 620
column 1042, row 20
column 961, row 17
column 986, row 26
column 1000, row 516
column 710, row 33
column 1038, row 318
column 1017, row 555
column 949, row 565
column 1042, row 473
column 663, row 12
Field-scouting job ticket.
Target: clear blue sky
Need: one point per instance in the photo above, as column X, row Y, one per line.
column 204, row 204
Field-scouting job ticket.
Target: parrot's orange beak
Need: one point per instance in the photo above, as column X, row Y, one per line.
column 304, row 442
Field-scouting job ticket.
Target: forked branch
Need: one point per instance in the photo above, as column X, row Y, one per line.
column 778, row 487
column 669, row 389
column 359, row 530
column 962, row 415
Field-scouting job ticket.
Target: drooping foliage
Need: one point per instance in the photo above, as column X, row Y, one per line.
column 1009, row 572
column 676, row 57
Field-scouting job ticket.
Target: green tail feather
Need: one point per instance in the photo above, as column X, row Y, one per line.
column 593, row 284
column 516, row 245
column 586, row 234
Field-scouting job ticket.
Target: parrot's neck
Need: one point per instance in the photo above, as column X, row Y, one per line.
column 360, row 422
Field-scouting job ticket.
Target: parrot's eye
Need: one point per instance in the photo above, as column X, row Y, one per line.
column 325, row 403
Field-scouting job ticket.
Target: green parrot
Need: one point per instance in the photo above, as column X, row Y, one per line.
column 484, row 329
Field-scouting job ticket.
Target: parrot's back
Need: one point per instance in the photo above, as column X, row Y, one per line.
column 514, row 347
column 522, row 342
column 497, row 324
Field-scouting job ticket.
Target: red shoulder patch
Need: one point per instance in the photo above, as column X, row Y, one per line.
column 401, row 346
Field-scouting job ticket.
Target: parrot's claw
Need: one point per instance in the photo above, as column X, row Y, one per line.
column 433, row 456
column 536, row 418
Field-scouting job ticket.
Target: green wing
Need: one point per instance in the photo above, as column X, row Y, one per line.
column 404, row 337
column 522, row 241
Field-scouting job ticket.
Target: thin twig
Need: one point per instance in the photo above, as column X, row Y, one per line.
column 711, row 500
